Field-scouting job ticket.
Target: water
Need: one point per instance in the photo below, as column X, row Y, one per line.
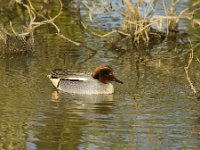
column 151, row 110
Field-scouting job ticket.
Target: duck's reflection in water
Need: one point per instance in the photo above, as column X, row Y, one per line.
column 80, row 103
column 66, row 120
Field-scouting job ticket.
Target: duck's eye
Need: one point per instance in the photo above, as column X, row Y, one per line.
column 105, row 72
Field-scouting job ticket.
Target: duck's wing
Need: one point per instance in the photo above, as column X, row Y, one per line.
column 70, row 75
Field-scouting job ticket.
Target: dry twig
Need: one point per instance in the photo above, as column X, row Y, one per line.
column 68, row 39
column 33, row 24
column 191, row 56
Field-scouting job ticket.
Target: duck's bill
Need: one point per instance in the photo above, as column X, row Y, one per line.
column 117, row 80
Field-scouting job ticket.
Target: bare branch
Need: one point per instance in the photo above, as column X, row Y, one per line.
column 68, row 39
column 191, row 56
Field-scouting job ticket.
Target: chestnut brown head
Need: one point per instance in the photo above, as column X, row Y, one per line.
column 104, row 74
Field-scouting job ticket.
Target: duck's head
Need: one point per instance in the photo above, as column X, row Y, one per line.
column 105, row 74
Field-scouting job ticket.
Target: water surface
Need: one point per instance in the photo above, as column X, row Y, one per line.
column 151, row 110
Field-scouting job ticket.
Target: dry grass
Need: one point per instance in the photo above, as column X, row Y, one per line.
column 141, row 27
column 146, row 26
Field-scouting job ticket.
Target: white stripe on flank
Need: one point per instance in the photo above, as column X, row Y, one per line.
column 77, row 78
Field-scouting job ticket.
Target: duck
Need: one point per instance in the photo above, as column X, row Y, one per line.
column 96, row 82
